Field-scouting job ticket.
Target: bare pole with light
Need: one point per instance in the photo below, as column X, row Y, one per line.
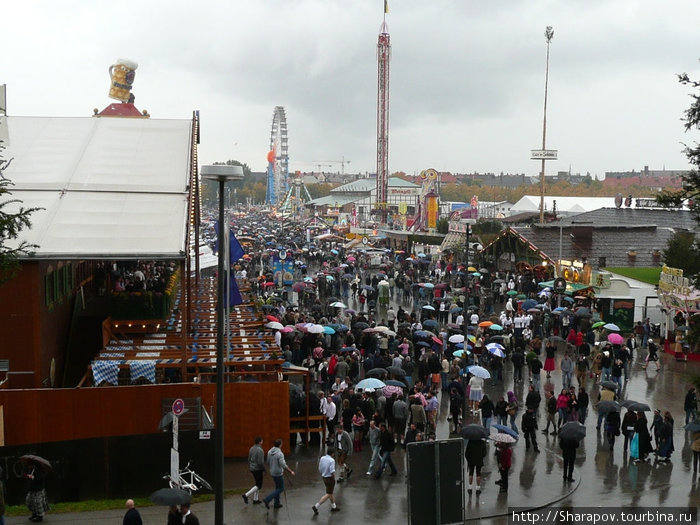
column 548, row 35
column 222, row 174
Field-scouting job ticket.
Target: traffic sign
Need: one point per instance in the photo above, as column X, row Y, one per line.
column 559, row 285
column 365, row 241
column 178, row 407
column 543, row 154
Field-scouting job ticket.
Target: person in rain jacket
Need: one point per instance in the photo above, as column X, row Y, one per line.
column 276, row 466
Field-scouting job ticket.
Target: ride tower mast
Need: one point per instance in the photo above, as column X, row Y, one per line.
column 383, row 58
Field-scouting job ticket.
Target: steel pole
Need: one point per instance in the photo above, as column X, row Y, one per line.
column 219, row 443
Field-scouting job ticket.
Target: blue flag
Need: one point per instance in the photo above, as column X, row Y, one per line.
column 235, row 252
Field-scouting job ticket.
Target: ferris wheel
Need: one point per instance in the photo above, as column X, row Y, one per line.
column 278, row 158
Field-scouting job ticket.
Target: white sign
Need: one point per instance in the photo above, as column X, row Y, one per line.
column 365, row 240
column 406, row 192
column 543, row 154
column 205, row 434
column 283, row 255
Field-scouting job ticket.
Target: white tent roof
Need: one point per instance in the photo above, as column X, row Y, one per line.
column 109, row 187
column 565, row 205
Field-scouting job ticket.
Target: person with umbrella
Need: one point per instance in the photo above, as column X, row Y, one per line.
column 505, row 460
column 474, row 454
column 456, row 401
column 529, row 425
column 641, row 442
column 568, row 447
column 37, row 502
column 612, row 428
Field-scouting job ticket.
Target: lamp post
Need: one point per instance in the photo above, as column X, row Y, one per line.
column 222, row 174
column 548, row 35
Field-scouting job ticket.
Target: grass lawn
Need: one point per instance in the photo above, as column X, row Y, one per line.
column 646, row 275
column 103, row 504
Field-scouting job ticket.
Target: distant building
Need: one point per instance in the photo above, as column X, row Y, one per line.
column 657, row 180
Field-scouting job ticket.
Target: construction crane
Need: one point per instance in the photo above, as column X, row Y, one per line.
column 342, row 163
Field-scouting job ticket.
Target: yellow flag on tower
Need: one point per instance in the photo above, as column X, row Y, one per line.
column 386, row 6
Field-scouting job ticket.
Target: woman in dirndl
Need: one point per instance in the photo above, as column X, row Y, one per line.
column 36, row 499
column 549, row 361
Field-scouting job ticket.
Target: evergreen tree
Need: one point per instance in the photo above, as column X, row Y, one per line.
column 13, row 219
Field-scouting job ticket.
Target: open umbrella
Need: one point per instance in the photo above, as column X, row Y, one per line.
column 272, row 318
column 572, row 430
column 431, row 323
column 502, row 438
column 428, row 307
column 494, row 346
column 370, row 383
column 693, row 426
column 377, row 372
column 456, row 338
column 583, row 312
column 530, row 303
column 598, row 324
column 503, row 429
column 474, row 431
column 390, row 390
column 636, row 406
column 31, row 459
column 328, row 330
column 608, row 406
column 170, row 496
column 274, row 325
column 479, row 371
column 339, row 304
column 395, row 382
column 287, row 329
column 460, row 353
column 396, row 371
column 610, row 385
column 496, row 327
column 436, row 340
column 455, row 309
column 315, row 329
column 612, row 327
column 485, row 324
column 616, row 339
column 556, row 339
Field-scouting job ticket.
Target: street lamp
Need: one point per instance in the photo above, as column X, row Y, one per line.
column 222, row 174
column 548, row 35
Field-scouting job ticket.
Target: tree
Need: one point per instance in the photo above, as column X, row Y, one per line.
column 13, row 219
column 320, row 189
column 690, row 192
column 682, row 252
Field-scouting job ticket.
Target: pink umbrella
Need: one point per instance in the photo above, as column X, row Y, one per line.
column 616, row 339
column 351, row 259
column 287, row 329
column 391, row 389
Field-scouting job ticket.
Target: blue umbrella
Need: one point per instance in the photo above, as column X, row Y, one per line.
column 568, row 299
column 347, row 349
column 496, row 327
column 370, row 383
column 423, row 343
column 328, row 330
column 506, row 430
column 431, row 323
column 460, row 353
column 530, row 303
column 422, row 333
column 334, row 252
column 455, row 309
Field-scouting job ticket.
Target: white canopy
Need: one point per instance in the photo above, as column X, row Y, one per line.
column 109, row 187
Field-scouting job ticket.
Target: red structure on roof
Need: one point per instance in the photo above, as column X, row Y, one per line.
column 121, row 109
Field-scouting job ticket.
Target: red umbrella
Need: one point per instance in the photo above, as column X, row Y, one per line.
column 268, row 284
column 437, row 340
column 272, row 318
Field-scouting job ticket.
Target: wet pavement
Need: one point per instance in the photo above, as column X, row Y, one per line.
column 603, row 478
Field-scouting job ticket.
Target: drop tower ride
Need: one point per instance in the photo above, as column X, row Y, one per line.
column 383, row 58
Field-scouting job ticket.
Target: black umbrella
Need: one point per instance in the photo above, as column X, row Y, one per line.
column 403, row 325
column 636, row 406
column 556, row 339
column 376, row 372
column 170, row 497
column 37, row 461
column 611, row 385
column 474, row 431
column 572, row 430
column 583, row 312
column 395, row 370
column 395, row 382
column 608, row 406
column 693, row 426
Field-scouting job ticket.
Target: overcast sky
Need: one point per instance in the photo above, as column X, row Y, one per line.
column 467, row 77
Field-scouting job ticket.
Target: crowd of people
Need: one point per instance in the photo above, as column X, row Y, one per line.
column 428, row 323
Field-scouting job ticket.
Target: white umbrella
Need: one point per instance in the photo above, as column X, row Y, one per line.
column 428, row 307
column 383, row 283
column 479, row 371
column 456, row 338
column 339, row 304
column 274, row 325
column 315, row 329
column 381, row 328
